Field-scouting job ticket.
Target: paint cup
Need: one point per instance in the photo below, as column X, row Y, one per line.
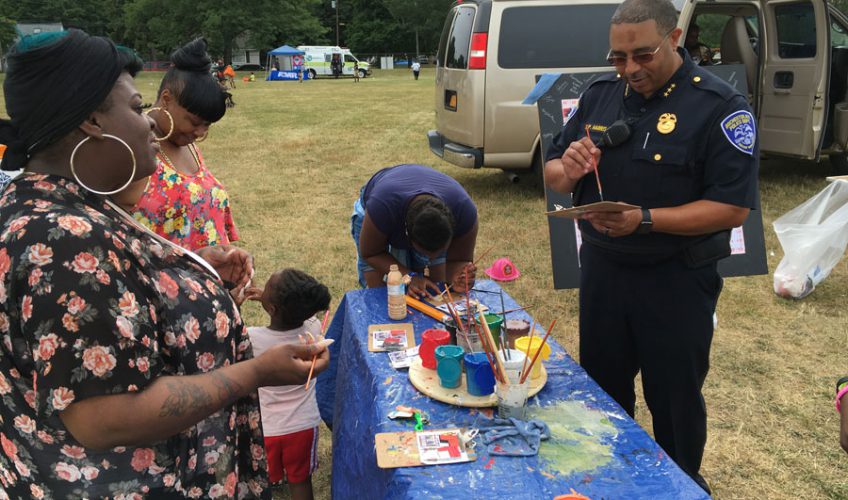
column 512, row 400
column 513, row 364
column 449, row 365
column 495, row 321
column 479, row 377
column 516, row 328
column 524, row 345
column 430, row 340
column 469, row 341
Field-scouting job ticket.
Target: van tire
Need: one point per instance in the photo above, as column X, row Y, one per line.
column 312, row 74
column 362, row 73
column 839, row 163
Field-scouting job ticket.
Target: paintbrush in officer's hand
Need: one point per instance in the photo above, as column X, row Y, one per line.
column 595, row 166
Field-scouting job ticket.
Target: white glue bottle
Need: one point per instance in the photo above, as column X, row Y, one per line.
column 397, row 301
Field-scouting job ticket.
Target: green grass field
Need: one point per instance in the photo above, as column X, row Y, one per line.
column 293, row 157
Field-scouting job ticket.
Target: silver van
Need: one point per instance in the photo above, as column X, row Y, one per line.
column 795, row 53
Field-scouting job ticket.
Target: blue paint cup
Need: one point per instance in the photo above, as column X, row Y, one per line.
column 449, row 365
column 478, row 374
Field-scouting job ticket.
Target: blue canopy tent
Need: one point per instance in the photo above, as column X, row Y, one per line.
column 291, row 64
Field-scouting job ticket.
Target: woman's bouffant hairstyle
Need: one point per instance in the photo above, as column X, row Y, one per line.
column 298, row 296
column 429, row 223
column 190, row 81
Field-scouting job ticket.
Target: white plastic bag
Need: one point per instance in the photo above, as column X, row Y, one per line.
column 813, row 236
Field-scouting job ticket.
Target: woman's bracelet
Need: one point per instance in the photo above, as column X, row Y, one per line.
column 839, row 395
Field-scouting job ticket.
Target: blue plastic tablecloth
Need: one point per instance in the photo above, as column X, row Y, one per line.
column 596, row 449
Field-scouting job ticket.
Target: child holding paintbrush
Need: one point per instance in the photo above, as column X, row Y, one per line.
column 290, row 415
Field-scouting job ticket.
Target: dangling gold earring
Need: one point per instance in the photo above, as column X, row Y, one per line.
column 203, row 137
column 105, row 193
column 170, row 119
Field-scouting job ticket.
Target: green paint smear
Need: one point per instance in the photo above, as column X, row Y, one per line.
column 576, row 435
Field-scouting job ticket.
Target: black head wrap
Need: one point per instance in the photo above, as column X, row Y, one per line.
column 54, row 81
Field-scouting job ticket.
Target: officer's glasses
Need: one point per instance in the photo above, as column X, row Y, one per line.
column 641, row 59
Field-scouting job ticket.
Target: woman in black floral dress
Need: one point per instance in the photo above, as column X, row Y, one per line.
column 125, row 369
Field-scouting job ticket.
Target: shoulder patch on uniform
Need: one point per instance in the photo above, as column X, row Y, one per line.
column 740, row 130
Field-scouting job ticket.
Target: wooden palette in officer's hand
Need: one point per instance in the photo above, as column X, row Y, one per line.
column 600, row 206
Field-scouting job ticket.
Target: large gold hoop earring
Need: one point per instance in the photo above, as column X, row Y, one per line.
column 203, row 137
column 170, row 119
column 106, row 193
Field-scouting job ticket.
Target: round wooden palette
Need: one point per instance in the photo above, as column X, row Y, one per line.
column 427, row 381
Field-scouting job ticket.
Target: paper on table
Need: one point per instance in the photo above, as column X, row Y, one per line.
column 601, row 206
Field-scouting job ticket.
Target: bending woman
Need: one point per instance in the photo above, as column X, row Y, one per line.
column 125, row 368
column 183, row 201
column 420, row 219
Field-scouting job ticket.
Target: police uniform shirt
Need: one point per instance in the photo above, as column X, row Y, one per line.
column 693, row 139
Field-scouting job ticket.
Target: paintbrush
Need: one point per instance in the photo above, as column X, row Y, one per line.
column 490, row 353
column 538, row 351
column 491, row 341
column 503, row 327
column 514, row 310
column 595, row 166
column 315, row 357
column 529, row 345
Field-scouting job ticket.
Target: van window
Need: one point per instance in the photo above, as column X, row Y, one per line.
column 458, row 41
column 838, row 34
column 349, row 58
column 796, row 30
column 562, row 36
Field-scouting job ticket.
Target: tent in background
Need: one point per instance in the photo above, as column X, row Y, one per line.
column 290, row 64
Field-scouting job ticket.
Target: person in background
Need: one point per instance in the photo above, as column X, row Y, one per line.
column 842, row 409
column 355, row 72
column 416, row 69
column 698, row 52
column 290, row 415
column 420, row 219
column 183, row 201
column 126, row 370
column 230, row 73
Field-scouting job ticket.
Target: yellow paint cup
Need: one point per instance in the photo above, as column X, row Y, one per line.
column 524, row 345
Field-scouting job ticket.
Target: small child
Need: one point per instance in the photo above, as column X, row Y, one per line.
column 355, row 72
column 290, row 415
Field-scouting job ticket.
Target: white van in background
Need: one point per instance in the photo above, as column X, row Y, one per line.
column 319, row 58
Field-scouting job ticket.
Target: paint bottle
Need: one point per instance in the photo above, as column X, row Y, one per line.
column 397, row 301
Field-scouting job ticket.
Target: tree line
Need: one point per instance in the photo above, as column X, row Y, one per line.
column 156, row 27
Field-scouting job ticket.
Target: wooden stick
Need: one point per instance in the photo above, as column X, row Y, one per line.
column 315, row 357
column 426, row 309
column 485, row 253
column 538, row 351
column 530, row 345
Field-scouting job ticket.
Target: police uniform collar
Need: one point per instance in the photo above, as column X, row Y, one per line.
column 679, row 76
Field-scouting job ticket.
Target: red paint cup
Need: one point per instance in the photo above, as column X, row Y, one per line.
column 430, row 340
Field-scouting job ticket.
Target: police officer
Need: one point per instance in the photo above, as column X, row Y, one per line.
column 649, row 284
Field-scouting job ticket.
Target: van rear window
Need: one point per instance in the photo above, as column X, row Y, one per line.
column 557, row 36
column 458, row 41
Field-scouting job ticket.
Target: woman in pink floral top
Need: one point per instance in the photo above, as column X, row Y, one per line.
column 192, row 210
column 183, row 201
column 125, row 368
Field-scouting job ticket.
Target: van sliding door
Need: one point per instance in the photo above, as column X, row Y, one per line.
column 795, row 76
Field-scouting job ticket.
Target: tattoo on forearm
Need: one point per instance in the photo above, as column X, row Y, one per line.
column 184, row 398
column 228, row 389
